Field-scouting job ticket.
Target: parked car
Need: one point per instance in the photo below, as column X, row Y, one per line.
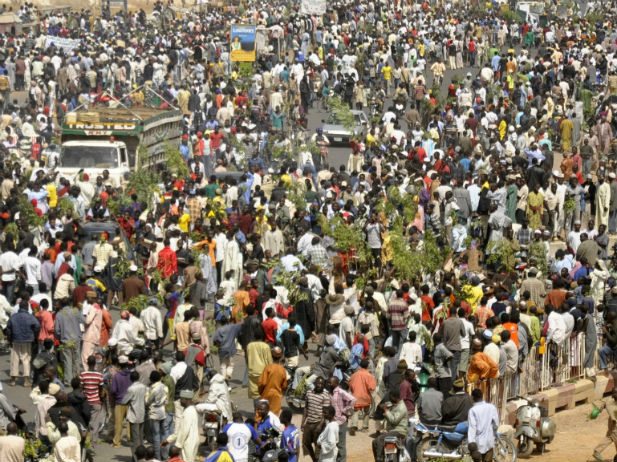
column 338, row 134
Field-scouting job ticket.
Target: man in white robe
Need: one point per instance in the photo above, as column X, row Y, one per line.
column 603, row 200
column 232, row 260
column 186, row 434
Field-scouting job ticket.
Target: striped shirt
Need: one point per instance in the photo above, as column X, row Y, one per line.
column 315, row 402
column 398, row 312
column 90, row 382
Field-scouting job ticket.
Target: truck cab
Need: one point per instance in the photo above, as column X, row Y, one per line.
column 94, row 156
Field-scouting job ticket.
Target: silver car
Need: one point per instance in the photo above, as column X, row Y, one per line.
column 338, row 134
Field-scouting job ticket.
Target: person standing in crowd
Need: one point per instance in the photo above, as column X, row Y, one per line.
column 12, row 446
column 67, row 327
column 313, row 418
column 343, row 403
column 483, row 423
column 273, row 381
column 119, row 386
column 92, row 382
column 22, row 330
column 362, row 384
column 135, row 399
column 328, row 438
column 186, row 433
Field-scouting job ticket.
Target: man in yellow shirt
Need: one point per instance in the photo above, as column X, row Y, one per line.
column 184, row 219
column 52, row 197
column 473, row 293
column 386, row 72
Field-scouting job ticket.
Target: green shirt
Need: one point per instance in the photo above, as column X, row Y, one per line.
column 171, row 389
column 396, row 418
column 211, row 190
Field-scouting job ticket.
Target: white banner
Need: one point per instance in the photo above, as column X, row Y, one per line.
column 61, row 42
column 317, row 7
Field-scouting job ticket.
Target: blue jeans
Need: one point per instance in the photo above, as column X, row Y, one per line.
column 605, row 353
column 168, row 429
column 157, row 429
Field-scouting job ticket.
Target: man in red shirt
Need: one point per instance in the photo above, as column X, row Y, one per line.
column 472, row 52
column 168, row 262
column 270, row 326
column 418, row 151
column 216, row 139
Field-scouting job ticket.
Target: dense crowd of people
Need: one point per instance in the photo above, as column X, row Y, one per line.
column 470, row 222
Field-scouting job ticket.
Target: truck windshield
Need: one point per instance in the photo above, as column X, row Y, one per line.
column 89, row 156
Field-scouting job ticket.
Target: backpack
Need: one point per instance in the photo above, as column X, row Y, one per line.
column 4, row 83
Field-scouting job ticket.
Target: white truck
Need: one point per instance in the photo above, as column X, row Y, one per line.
column 114, row 139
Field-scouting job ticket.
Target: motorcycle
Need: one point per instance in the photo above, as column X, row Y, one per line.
column 450, row 443
column 532, row 427
column 394, row 449
column 270, row 449
column 212, row 420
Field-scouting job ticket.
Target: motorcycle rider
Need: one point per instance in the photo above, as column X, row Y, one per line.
column 455, row 407
column 218, row 394
column 266, row 420
column 323, row 142
column 395, row 414
column 323, row 368
column 430, row 403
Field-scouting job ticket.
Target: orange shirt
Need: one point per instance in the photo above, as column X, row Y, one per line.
column 513, row 329
column 482, row 367
column 361, row 384
column 52, row 254
column 211, row 247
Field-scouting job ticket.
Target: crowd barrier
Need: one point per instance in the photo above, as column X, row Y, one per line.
column 555, row 366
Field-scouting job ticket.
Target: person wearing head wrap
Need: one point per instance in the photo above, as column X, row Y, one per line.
column 218, row 395
column 273, row 381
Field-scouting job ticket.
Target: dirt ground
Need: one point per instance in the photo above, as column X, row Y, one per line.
column 576, row 437
column 574, row 442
